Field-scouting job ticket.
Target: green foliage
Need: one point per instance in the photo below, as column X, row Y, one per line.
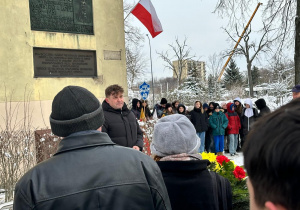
column 211, row 86
column 232, row 75
column 255, row 75
column 193, row 83
column 235, row 175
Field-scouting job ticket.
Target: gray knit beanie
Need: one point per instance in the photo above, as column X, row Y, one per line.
column 174, row 134
column 75, row 109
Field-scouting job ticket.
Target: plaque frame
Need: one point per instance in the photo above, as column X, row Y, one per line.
column 95, row 73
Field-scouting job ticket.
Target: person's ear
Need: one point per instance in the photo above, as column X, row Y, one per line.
column 271, row 206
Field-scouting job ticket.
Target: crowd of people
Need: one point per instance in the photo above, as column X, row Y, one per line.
column 219, row 127
column 98, row 164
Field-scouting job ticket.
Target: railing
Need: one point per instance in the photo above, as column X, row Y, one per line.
column 7, row 206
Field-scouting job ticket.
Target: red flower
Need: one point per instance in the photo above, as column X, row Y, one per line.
column 239, row 173
column 222, row 158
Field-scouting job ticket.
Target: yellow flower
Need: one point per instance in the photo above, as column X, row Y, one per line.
column 209, row 156
column 212, row 158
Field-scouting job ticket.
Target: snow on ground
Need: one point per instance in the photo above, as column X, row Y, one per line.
column 237, row 159
column 2, row 196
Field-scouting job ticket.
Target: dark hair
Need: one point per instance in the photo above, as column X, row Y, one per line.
column 113, row 90
column 184, row 110
column 271, row 157
column 174, row 102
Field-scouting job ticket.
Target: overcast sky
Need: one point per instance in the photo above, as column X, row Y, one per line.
column 195, row 20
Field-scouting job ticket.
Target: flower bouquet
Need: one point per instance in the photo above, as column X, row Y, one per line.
column 236, row 176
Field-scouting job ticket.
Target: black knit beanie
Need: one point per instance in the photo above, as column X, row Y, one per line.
column 75, row 109
column 163, row 101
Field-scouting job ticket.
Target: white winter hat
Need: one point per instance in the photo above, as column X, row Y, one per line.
column 174, row 134
column 238, row 99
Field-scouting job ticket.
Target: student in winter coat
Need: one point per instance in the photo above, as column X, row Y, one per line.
column 175, row 106
column 262, row 106
column 160, row 108
column 181, row 109
column 168, row 110
column 233, row 127
column 136, row 108
column 147, row 111
column 249, row 116
column 226, row 140
column 205, row 107
column 200, row 121
column 189, row 183
column 224, row 107
column 239, row 110
column 209, row 139
column 218, row 122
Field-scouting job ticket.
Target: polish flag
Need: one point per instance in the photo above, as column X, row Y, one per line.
column 145, row 12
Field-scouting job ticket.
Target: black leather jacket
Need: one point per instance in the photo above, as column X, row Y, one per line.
column 90, row 172
column 122, row 127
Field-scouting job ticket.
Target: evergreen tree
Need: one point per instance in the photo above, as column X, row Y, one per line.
column 193, row 85
column 192, row 81
column 255, row 75
column 211, row 86
column 232, row 75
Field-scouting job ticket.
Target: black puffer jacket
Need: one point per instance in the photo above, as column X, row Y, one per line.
column 135, row 109
column 121, row 126
column 90, row 172
column 199, row 120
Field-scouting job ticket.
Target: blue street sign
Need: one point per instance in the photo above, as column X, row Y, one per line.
column 144, row 90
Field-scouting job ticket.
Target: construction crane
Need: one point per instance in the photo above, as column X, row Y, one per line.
column 237, row 43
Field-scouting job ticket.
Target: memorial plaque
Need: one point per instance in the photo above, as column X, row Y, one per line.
column 67, row 16
column 64, row 63
column 112, row 55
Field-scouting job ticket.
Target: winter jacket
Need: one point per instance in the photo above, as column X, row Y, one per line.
column 262, row 106
column 159, row 110
column 147, row 112
column 191, row 186
column 218, row 122
column 247, row 122
column 234, row 122
column 135, row 109
column 136, row 113
column 199, row 120
column 90, row 172
column 121, row 126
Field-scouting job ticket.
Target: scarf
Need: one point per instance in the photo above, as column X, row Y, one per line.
column 182, row 157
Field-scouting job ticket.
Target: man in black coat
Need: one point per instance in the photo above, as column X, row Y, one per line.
column 89, row 171
column 120, row 123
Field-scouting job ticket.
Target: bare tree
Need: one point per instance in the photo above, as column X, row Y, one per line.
column 135, row 59
column 282, row 15
column 17, row 152
column 133, row 35
column 135, row 64
column 214, row 65
column 251, row 49
column 181, row 53
column 215, row 62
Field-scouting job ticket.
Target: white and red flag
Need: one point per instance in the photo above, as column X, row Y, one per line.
column 145, row 12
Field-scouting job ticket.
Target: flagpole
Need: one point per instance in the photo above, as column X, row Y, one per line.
column 131, row 10
column 151, row 70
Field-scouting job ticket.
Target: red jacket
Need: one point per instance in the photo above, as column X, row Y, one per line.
column 234, row 123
